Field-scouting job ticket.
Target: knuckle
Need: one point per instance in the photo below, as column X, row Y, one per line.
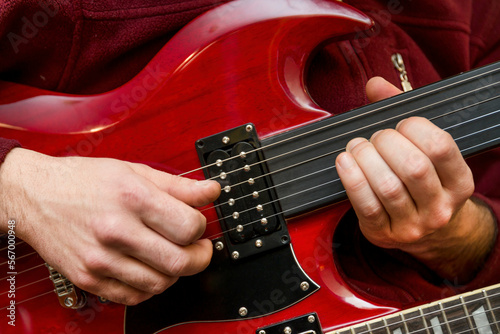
column 192, row 227
column 178, row 265
column 466, row 184
column 411, row 236
column 134, row 299
column 390, row 188
column 158, row 286
column 376, row 234
column 132, row 193
column 419, row 168
column 383, row 135
column 442, row 217
column 441, row 146
column 358, row 185
column 123, row 294
column 109, row 230
column 372, row 214
column 95, row 261
column 86, row 281
column 360, row 147
column 408, row 123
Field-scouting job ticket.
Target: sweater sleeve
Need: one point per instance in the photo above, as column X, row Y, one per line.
column 6, row 145
column 485, row 169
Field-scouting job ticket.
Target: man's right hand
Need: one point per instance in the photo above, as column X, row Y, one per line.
column 119, row 230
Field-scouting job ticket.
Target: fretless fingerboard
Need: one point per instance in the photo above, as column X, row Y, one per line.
column 474, row 312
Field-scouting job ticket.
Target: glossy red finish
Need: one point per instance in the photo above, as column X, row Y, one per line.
column 242, row 62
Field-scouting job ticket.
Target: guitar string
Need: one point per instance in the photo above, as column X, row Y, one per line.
column 333, row 166
column 372, row 125
column 397, row 103
column 398, row 116
column 23, row 271
column 282, row 212
column 209, row 237
column 20, row 242
column 20, row 257
column 26, row 285
column 478, row 327
column 328, row 168
column 219, row 234
column 325, row 169
column 422, row 316
column 427, row 327
column 256, row 221
column 31, row 298
column 331, row 181
column 354, row 117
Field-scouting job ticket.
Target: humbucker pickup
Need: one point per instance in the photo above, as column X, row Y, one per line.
column 248, row 208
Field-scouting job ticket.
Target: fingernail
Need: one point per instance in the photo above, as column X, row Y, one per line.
column 353, row 143
column 400, row 123
column 375, row 134
column 345, row 161
column 204, row 183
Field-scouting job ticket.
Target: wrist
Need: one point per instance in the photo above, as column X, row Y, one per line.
column 458, row 251
column 16, row 177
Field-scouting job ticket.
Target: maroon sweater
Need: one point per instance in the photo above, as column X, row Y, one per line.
column 93, row 46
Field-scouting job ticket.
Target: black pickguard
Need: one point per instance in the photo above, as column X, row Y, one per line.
column 263, row 284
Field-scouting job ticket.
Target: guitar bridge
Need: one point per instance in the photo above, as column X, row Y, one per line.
column 248, row 209
column 69, row 295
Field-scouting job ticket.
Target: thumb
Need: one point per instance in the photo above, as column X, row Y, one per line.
column 377, row 88
column 189, row 191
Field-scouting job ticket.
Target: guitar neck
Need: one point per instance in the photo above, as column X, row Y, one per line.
column 473, row 312
column 467, row 106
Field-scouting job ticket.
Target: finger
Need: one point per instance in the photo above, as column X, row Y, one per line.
column 136, row 274
column 371, row 214
column 167, row 257
column 119, row 292
column 131, row 237
column 192, row 192
column 452, row 170
column 377, row 88
column 170, row 217
column 411, row 165
column 175, row 260
column 388, row 187
column 96, row 282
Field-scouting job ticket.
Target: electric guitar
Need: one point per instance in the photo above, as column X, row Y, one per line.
column 246, row 120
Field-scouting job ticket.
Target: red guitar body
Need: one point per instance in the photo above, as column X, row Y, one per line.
column 242, row 62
